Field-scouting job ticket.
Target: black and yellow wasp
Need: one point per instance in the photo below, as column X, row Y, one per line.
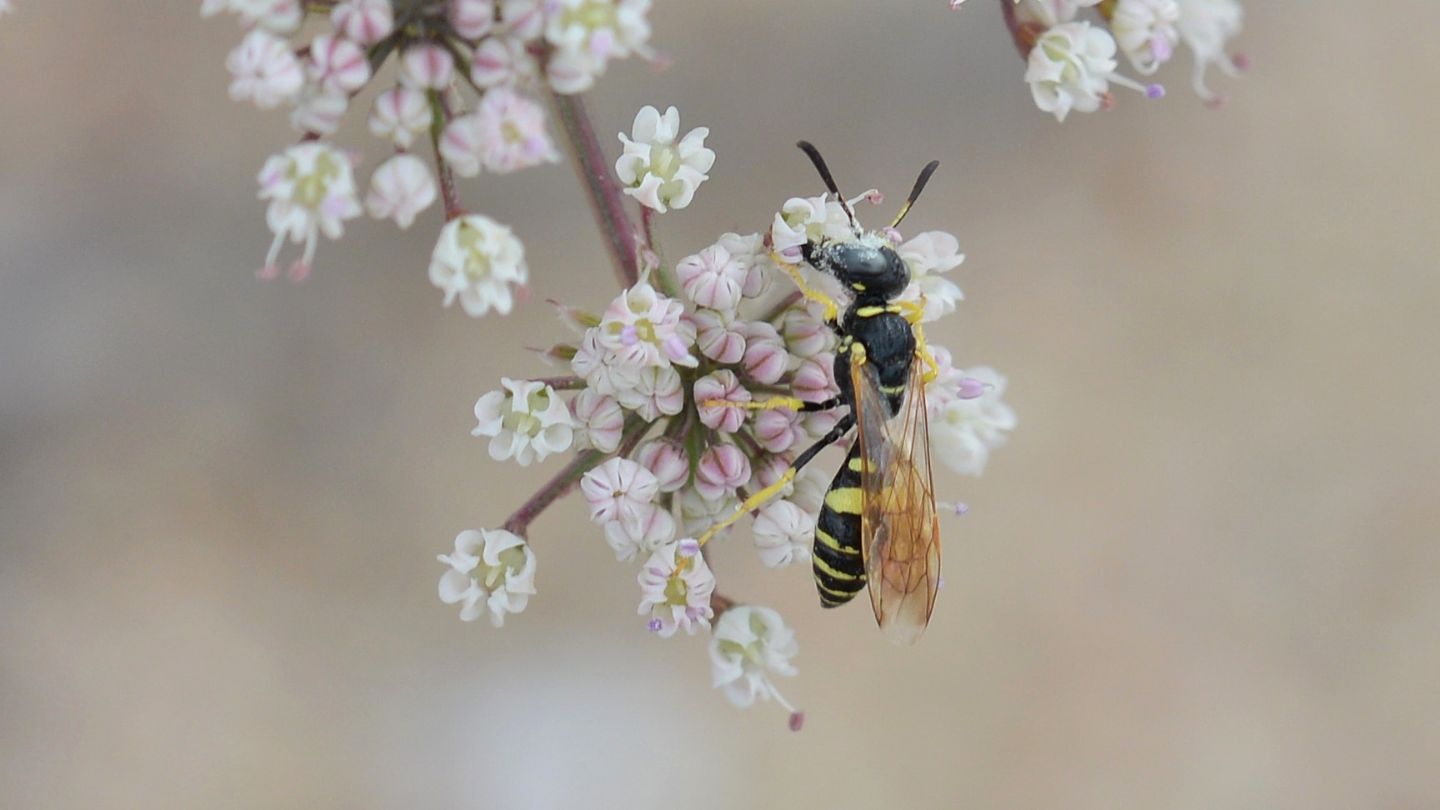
column 878, row 525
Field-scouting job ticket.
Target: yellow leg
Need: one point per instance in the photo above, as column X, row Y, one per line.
column 913, row 311
column 771, row 404
column 832, row 310
column 751, row 504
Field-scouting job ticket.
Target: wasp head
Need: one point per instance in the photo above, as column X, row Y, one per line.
column 868, row 265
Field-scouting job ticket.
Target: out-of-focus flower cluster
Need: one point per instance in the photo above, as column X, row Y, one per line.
column 1073, row 62
column 469, row 76
column 660, row 454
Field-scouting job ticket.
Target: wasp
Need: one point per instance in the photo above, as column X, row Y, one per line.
column 878, row 525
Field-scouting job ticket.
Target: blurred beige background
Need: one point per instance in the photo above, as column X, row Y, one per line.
column 1203, row 574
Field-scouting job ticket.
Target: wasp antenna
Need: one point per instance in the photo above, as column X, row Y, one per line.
column 915, row 192
column 814, row 155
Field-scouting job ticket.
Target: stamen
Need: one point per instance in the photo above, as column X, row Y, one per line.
column 271, row 270
column 653, row 625
column 689, row 547
column 1161, row 49
column 797, row 719
column 628, row 335
column 1155, row 91
column 972, row 387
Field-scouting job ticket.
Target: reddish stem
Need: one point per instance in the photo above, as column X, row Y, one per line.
column 606, row 200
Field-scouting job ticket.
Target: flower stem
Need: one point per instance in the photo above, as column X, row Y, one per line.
column 604, row 190
column 565, row 480
column 439, row 115
column 1024, row 34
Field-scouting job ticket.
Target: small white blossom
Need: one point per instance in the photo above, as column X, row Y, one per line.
column 619, row 490
column 698, row 513
column 278, row 16
column 675, row 591
column 1070, row 68
column 338, row 64
column 265, row 69
column 1145, row 31
column 928, row 255
column 783, row 534
column 319, row 110
column 427, row 66
column 478, row 260
column 807, row 219
column 657, row 391
column 652, row 528
column 601, row 422
column 604, row 371
column 712, row 278
column 500, row 60
column 400, row 189
column 657, row 170
column 749, row 645
column 490, row 570
column 964, row 431
column 365, row 21
column 644, row 328
column 400, row 115
column 471, row 19
column 311, row 189
column 587, row 34
column 526, row 421
column 511, row 132
column 1050, row 13
column 1207, row 26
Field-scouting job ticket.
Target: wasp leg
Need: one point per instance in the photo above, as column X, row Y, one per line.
column 760, row 498
column 913, row 311
column 775, row 404
column 832, row 310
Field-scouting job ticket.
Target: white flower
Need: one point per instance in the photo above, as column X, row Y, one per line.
column 400, row 115
column 675, row 589
column 619, row 489
column 587, row 34
column 471, row 19
column 478, row 260
column 427, row 66
column 365, row 21
column 1145, row 31
column 500, row 60
column 964, row 431
column 649, row 528
column 490, row 569
column 783, row 534
column 750, row 643
column 311, row 190
column 658, row 171
column 698, row 513
column 656, row 391
column 1207, row 26
column 319, row 110
column 712, row 278
column 601, row 422
column 644, row 328
column 279, row 16
column 460, row 144
column 527, row 422
column 338, row 64
column 265, row 69
column 400, row 189
column 807, row 219
column 604, row 371
column 1070, row 68
column 928, row 255
column 511, row 132
column 1049, row 13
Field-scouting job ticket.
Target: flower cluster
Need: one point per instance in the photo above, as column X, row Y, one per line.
column 658, row 386
column 469, row 79
column 1072, row 62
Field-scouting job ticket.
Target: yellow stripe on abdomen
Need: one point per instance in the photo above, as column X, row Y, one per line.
column 845, row 500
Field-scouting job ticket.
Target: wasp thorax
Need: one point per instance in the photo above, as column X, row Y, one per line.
column 868, row 265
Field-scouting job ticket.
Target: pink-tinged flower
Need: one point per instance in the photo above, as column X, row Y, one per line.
column 460, row 144
column 657, row 391
column 1207, row 26
column 523, row 19
column 478, row 260
column 1145, row 31
column 526, row 420
column 644, row 328
column 587, row 34
column 1049, row 13
column 471, row 19
column 768, row 469
column 265, row 70
column 783, row 533
column 722, row 468
column 632, row 536
column 600, row 419
column 277, row 16
column 675, row 591
column 512, row 132
column 945, row 385
column 1072, row 67
column 319, row 110
column 805, row 334
column 338, row 64
column 964, row 431
column 807, row 219
column 364, row 21
column 724, row 386
column 490, row 570
column 814, row 380
column 311, row 190
column 928, row 255
column 400, row 189
column 720, row 335
column 749, row 250
column 698, row 513
column 667, row 460
column 500, row 61
column 778, row 430
column 658, row 170
column 765, row 356
column 751, row 643
column 427, row 66
column 400, row 115
column 809, row 488
column 711, row 278
column 604, row 371
column 620, row 489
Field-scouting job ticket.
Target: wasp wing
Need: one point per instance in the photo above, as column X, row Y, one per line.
column 900, row 529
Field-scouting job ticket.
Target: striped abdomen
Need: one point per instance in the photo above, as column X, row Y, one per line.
column 839, row 570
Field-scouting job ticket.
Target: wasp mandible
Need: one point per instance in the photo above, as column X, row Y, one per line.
column 878, row 525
